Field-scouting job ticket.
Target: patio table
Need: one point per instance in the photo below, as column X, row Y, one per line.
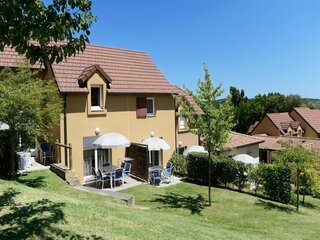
column 109, row 170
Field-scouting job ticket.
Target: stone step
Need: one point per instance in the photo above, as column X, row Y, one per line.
column 73, row 181
column 62, row 171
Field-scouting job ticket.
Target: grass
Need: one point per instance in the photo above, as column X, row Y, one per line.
column 41, row 206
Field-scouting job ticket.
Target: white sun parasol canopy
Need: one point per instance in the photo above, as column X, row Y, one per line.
column 111, row 140
column 155, row 144
column 245, row 158
column 194, row 148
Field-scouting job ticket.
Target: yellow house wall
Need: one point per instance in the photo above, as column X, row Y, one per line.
column 119, row 116
column 308, row 131
column 267, row 127
column 187, row 138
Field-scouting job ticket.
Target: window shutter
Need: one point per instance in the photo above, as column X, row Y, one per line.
column 141, row 107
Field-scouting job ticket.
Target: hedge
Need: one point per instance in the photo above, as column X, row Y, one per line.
column 275, row 179
column 224, row 170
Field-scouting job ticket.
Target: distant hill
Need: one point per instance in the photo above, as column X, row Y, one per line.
column 311, row 100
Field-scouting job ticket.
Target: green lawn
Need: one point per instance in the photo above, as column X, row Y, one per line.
column 42, row 206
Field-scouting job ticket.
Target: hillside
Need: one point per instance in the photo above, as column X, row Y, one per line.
column 42, row 206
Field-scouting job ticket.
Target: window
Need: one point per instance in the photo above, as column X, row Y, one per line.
column 182, row 123
column 155, row 158
column 96, row 98
column 150, row 107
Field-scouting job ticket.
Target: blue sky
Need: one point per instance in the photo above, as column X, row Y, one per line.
column 260, row 46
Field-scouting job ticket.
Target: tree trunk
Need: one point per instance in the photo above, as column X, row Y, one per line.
column 298, row 188
column 304, row 195
column 209, row 175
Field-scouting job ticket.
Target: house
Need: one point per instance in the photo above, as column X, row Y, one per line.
column 239, row 143
column 278, row 124
column 109, row 90
column 309, row 120
column 271, row 144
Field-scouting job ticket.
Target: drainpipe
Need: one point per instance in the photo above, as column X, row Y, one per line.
column 175, row 124
column 65, row 128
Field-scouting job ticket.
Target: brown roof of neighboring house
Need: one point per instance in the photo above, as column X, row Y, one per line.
column 240, row 140
column 130, row 71
column 272, row 142
column 186, row 97
column 311, row 116
column 279, row 119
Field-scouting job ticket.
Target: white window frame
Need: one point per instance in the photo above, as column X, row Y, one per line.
column 182, row 127
column 153, row 109
column 96, row 108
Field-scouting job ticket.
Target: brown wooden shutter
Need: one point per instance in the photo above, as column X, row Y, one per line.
column 141, row 107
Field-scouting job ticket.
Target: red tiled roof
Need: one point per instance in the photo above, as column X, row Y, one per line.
column 240, row 140
column 279, row 118
column 130, row 71
column 185, row 96
column 311, row 116
column 271, row 142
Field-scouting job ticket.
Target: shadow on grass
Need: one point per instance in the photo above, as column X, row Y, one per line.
column 273, row 206
column 35, row 182
column 173, row 200
column 32, row 220
column 309, row 205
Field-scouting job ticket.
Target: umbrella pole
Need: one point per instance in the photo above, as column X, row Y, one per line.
column 96, row 159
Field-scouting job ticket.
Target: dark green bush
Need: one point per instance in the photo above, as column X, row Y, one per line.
column 224, row 170
column 275, row 179
column 179, row 163
column 241, row 177
column 197, row 167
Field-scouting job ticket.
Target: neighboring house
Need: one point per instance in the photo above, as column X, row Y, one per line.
column 309, row 120
column 278, row 124
column 242, row 144
column 109, row 90
column 271, row 143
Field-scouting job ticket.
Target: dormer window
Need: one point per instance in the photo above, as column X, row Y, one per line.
column 96, row 98
column 182, row 123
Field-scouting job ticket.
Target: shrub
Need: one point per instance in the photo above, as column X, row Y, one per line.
column 197, row 167
column 179, row 163
column 275, row 179
column 241, row 177
column 224, row 170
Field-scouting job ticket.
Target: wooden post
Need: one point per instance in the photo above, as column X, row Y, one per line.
column 70, row 156
column 57, row 151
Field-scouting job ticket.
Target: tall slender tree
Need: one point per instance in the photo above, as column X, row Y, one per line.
column 214, row 125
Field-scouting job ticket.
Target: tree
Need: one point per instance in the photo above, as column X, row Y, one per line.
column 64, row 20
column 303, row 163
column 29, row 105
column 213, row 126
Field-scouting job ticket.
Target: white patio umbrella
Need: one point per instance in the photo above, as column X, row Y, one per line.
column 111, row 140
column 194, row 148
column 245, row 158
column 4, row 126
column 155, row 144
